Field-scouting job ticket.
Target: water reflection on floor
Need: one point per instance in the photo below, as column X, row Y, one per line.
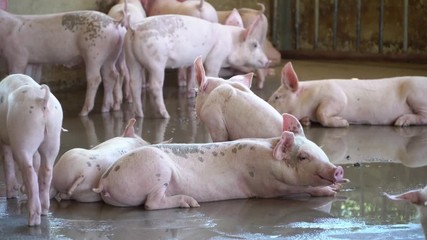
column 376, row 159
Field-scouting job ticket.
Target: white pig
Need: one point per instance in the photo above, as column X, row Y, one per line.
column 79, row 170
column 182, row 175
column 30, row 127
column 68, row 39
column 339, row 102
column 172, row 41
column 230, row 110
column 248, row 17
column 199, row 9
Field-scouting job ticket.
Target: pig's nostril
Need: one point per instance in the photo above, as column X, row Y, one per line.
column 339, row 173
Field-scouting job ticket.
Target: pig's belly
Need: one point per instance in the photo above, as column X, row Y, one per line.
column 375, row 113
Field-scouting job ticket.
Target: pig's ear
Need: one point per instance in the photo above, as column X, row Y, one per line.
column 129, row 130
column 413, row 196
column 282, row 149
column 291, row 124
column 289, row 77
column 255, row 30
column 234, row 19
column 243, row 79
column 200, row 73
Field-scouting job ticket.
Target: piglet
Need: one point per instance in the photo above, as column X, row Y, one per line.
column 30, row 128
column 173, row 41
column 79, row 170
column 230, row 110
column 339, row 102
column 68, row 39
column 182, row 175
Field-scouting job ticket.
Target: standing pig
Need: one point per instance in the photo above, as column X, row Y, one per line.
column 30, row 127
column 230, row 110
column 182, row 175
column 248, row 17
column 79, row 170
column 66, row 38
column 172, row 41
column 337, row 102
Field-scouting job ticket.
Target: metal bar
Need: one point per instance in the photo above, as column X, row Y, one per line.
column 335, row 25
column 297, row 23
column 381, row 27
column 316, row 23
column 358, row 7
column 405, row 26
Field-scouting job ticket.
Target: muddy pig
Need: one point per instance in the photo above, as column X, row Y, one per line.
column 230, row 110
column 173, row 41
column 79, row 170
column 30, row 127
column 339, row 102
column 67, row 39
column 182, row 175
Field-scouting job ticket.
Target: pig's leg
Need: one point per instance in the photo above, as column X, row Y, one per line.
column 12, row 185
column 35, row 71
column 191, row 82
column 155, row 86
column 182, row 77
column 135, row 82
column 29, row 176
column 93, row 78
column 261, row 73
column 158, row 200
column 48, row 152
column 110, row 76
column 327, row 113
column 418, row 105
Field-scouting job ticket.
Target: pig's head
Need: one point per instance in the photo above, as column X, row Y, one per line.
column 299, row 161
column 248, row 51
column 286, row 97
column 418, row 197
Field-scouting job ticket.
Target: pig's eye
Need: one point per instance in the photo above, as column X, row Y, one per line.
column 276, row 97
column 302, row 157
column 254, row 45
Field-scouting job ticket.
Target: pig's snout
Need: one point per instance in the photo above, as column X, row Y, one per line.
column 339, row 175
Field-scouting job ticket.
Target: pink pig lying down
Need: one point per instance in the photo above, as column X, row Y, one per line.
column 337, row 103
column 67, row 39
column 30, row 127
column 230, row 110
column 182, row 175
column 79, row 170
column 174, row 41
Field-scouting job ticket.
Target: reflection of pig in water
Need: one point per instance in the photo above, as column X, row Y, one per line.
column 173, row 41
column 182, row 175
column 30, row 128
column 349, row 145
column 417, row 197
column 398, row 101
column 78, row 170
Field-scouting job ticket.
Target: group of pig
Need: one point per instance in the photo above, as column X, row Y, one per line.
column 121, row 48
column 268, row 160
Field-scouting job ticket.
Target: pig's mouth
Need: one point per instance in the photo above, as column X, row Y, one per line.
column 326, row 181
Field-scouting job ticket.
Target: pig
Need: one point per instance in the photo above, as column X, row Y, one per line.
column 172, row 41
column 199, row 9
column 248, row 17
column 182, row 175
column 340, row 102
column 79, row 170
column 30, row 128
column 131, row 11
column 230, row 110
column 68, row 39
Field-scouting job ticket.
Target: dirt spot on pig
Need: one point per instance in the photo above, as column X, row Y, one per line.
column 117, row 168
column 88, row 23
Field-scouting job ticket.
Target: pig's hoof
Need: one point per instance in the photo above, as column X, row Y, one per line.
column 34, row 220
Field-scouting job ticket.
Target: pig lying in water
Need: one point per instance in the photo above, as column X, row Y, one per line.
column 182, row 175
column 173, row 41
column 30, row 127
column 230, row 110
column 337, row 103
column 68, row 39
column 79, row 170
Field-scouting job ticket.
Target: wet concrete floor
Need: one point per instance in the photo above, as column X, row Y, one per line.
column 376, row 159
